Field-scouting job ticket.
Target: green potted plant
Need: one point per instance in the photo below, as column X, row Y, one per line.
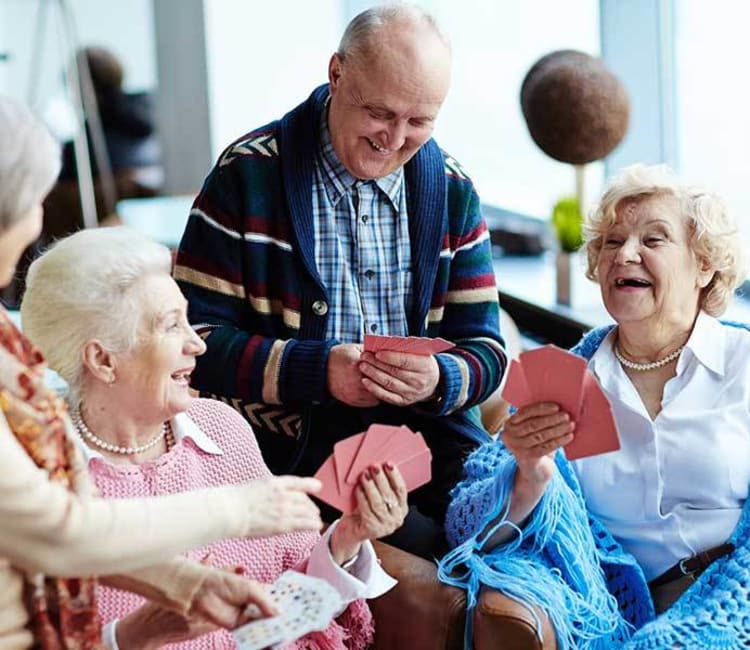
column 567, row 222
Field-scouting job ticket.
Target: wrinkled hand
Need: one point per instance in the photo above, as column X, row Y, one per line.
column 533, row 434
column 224, row 596
column 279, row 504
column 381, row 508
column 220, row 601
column 152, row 626
column 400, row 378
column 345, row 378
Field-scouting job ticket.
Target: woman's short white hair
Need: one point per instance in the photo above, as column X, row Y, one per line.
column 80, row 289
column 713, row 234
column 29, row 162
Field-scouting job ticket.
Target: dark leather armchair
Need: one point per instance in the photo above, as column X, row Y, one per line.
column 421, row 613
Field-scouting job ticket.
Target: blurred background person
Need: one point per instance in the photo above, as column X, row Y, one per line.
column 133, row 167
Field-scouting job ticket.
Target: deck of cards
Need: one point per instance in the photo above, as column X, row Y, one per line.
column 381, row 443
column 550, row 374
column 305, row 603
column 410, row 344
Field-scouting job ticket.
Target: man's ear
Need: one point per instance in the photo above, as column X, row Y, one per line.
column 99, row 361
column 334, row 71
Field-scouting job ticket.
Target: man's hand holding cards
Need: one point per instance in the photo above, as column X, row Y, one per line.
column 401, row 370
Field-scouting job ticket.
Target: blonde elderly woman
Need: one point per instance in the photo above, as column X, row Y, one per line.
column 103, row 308
column 659, row 527
column 51, row 525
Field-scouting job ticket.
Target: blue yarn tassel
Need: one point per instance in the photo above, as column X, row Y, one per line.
column 573, row 592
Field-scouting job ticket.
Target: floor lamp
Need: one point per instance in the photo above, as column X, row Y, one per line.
column 80, row 91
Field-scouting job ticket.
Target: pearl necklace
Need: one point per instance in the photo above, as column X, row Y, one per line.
column 87, row 434
column 647, row 366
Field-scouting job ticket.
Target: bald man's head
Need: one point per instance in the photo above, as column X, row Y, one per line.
column 388, row 81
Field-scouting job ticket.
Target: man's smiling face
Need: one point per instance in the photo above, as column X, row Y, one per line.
column 384, row 104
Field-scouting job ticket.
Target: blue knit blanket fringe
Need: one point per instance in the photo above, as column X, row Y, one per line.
column 569, row 585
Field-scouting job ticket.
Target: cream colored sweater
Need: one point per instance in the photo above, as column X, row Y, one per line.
column 45, row 528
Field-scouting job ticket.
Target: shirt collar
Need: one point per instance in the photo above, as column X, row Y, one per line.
column 706, row 343
column 603, row 359
column 182, row 427
column 337, row 181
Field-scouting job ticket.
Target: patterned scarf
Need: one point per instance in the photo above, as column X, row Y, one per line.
column 63, row 611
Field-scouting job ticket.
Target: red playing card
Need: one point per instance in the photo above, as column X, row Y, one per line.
column 410, row 344
column 403, row 445
column 418, row 345
column 596, row 430
column 554, row 375
column 416, row 470
column 376, row 342
column 329, row 493
column 408, row 452
column 344, row 453
column 441, row 345
column 375, row 441
column 516, row 390
column 373, row 342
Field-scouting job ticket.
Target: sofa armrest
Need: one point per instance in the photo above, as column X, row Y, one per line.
column 499, row 617
column 421, row 613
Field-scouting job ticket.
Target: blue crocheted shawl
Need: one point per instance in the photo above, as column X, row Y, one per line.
column 565, row 561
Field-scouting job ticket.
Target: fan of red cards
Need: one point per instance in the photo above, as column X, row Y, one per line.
column 411, row 344
column 550, row 374
column 379, row 444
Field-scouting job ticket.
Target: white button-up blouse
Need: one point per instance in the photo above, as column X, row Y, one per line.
column 678, row 484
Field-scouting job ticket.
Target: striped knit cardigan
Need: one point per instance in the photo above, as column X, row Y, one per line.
column 247, row 267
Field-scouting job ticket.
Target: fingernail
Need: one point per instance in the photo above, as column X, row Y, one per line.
column 375, row 470
column 239, row 570
column 388, row 466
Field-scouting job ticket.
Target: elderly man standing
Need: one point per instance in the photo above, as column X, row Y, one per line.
column 345, row 218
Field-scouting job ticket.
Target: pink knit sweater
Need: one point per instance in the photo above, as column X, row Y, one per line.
column 186, row 467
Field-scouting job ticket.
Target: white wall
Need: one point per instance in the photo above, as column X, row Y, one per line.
column 264, row 58
column 711, row 54
column 495, row 42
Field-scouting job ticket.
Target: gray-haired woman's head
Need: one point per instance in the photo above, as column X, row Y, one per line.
column 29, row 162
column 713, row 236
column 82, row 289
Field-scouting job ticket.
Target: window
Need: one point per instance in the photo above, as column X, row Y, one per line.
column 481, row 124
column 712, row 96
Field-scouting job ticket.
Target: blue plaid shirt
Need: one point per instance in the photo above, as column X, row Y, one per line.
column 362, row 247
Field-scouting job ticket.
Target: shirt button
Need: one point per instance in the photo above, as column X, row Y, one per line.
column 369, row 274
column 365, row 218
column 320, row 307
column 374, row 327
